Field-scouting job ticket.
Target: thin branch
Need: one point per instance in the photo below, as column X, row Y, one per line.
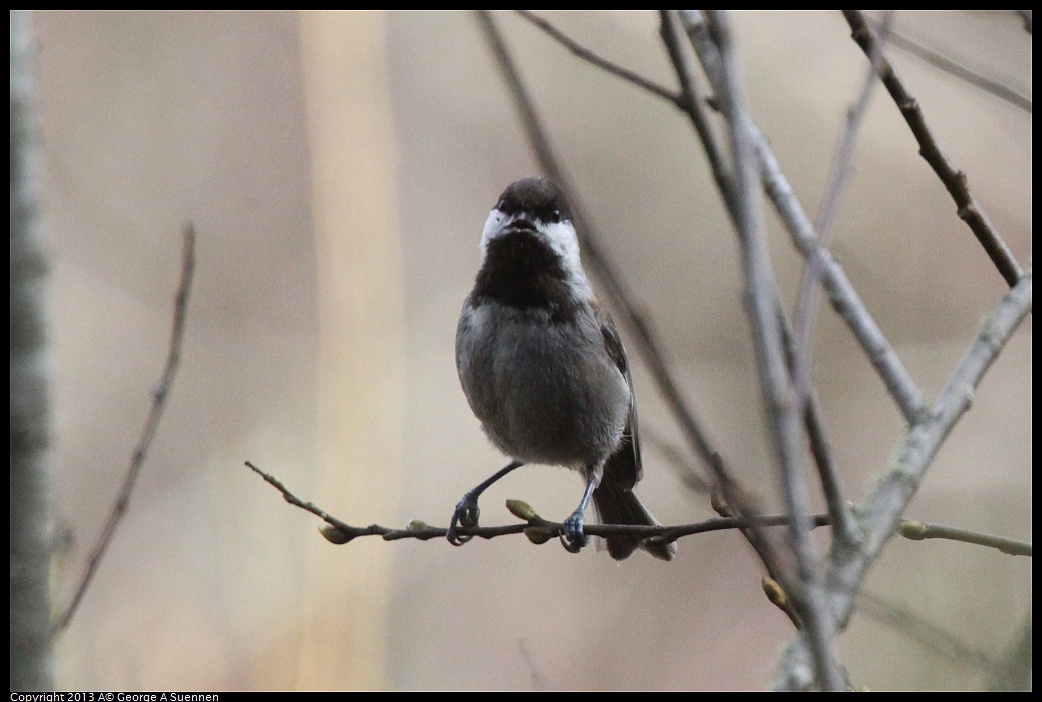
column 342, row 532
column 806, row 303
column 917, row 531
column 632, row 316
column 841, row 292
column 1013, row 672
column 539, row 680
column 969, row 210
column 956, row 70
column 806, row 312
column 602, row 63
column 672, row 33
column 882, row 510
column 692, row 104
column 842, row 295
column 137, row 460
column 685, row 469
column 784, row 415
column 523, row 102
column 844, row 526
column 910, row 623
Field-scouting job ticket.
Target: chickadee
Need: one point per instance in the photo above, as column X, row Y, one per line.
column 544, row 369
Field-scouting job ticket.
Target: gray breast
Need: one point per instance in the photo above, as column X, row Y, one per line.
column 544, row 392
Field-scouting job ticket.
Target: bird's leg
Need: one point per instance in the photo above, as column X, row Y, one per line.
column 466, row 512
column 573, row 537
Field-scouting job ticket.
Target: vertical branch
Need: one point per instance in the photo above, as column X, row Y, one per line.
column 807, row 302
column 783, row 413
column 691, row 103
column 31, row 658
column 806, row 312
column 841, row 293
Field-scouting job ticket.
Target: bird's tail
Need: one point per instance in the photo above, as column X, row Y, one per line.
column 617, row 506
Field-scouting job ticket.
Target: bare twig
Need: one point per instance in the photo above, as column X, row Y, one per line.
column 917, row 531
column 841, row 293
column 956, row 70
column 539, row 680
column 681, row 462
column 909, row 622
column 631, row 316
column 882, row 510
column 692, row 104
column 844, row 527
column 609, row 66
column 1013, row 672
column 806, row 303
column 784, row 415
column 342, row 532
column 806, row 311
column 969, row 210
column 672, row 35
column 672, row 32
column 137, row 460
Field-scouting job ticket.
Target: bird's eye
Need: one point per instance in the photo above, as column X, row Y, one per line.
column 555, row 216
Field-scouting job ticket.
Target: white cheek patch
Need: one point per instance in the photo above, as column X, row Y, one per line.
column 493, row 227
column 559, row 236
column 562, row 240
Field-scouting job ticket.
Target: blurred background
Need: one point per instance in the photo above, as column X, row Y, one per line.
column 338, row 169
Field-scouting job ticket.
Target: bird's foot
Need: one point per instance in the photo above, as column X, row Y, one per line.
column 465, row 515
column 572, row 536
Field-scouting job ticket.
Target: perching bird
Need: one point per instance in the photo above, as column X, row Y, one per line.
column 544, row 369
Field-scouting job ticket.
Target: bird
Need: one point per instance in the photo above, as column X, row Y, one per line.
column 544, row 369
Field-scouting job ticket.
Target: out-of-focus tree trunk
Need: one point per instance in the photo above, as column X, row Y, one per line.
column 31, row 662
column 361, row 366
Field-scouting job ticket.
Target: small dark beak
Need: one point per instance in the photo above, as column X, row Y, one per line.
column 523, row 223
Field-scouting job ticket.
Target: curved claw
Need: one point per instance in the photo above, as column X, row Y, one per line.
column 465, row 515
column 572, row 537
column 573, row 546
